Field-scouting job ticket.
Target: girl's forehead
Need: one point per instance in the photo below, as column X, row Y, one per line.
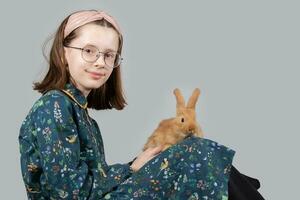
column 99, row 36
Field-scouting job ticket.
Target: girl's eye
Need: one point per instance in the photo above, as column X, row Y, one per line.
column 182, row 119
column 109, row 55
column 88, row 50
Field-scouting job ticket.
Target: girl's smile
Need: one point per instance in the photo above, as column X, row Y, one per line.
column 95, row 75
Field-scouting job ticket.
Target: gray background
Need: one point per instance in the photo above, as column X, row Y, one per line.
column 243, row 55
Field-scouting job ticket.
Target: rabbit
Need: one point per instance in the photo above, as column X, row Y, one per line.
column 172, row 130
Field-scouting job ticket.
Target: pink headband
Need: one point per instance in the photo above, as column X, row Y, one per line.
column 81, row 18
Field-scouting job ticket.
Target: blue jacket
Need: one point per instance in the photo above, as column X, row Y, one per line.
column 62, row 155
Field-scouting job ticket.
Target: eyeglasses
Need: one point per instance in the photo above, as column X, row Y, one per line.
column 91, row 54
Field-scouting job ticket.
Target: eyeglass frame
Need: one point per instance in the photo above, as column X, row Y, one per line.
column 99, row 52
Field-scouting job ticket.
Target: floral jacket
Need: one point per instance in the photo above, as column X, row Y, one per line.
column 62, row 155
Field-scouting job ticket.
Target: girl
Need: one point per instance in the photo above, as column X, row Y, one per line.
column 62, row 155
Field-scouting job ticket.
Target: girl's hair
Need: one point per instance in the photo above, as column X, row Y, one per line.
column 109, row 95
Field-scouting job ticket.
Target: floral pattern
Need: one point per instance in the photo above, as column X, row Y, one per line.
column 195, row 168
column 62, row 157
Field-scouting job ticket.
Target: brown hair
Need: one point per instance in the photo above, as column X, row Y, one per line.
column 109, row 95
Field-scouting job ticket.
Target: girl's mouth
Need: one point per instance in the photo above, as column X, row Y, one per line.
column 96, row 75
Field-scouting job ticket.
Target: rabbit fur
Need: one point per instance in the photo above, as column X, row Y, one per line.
column 171, row 131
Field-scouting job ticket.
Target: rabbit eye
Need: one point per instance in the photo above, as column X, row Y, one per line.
column 182, row 120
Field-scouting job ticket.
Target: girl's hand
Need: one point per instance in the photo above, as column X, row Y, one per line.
column 144, row 157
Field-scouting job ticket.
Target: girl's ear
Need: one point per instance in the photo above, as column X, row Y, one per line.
column 64, row 60
column 193, row 99
column 65, row 51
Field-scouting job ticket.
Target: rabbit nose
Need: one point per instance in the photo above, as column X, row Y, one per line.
column 191, row 129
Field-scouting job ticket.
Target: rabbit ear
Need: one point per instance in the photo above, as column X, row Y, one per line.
column 179, row 99
column 193, row 99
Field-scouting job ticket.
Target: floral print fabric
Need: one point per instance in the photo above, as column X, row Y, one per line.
column 62, row 157
column 195, row 168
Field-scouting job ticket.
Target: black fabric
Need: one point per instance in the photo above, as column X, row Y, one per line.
column 242, row 187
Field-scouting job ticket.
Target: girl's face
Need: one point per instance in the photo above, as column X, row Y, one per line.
column 87, row 76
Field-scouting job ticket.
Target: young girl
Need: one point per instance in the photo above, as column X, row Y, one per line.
column 62, row 155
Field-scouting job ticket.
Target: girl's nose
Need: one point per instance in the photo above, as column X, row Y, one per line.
column 100, row 61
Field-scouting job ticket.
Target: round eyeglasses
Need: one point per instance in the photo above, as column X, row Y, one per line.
column 91, row 54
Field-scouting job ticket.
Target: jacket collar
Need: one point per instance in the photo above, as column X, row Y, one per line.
column 75, row 94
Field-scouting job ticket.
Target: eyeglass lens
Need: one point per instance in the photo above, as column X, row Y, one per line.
column 91, row 54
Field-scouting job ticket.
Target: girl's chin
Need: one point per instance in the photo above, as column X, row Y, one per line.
column 94, row 85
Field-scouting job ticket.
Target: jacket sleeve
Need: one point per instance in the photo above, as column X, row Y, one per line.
column 117, row 173
column 112, row 175
column 120, row 171
column 65, row 175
